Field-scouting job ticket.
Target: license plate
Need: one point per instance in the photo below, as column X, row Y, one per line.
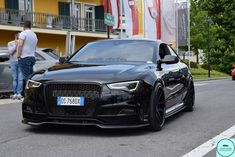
column 70, row 101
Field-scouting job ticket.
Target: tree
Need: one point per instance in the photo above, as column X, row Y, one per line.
column 199, row 28
column 222, row 30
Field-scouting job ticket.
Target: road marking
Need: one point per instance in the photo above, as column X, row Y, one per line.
column 210, row 144
column 9, row 101
column 200, row 84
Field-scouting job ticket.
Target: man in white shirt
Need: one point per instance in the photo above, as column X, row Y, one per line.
column 26, row 50
column 15, row 69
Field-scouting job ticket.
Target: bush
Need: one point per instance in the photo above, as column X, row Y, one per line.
column 204, row 66
column 192, row 64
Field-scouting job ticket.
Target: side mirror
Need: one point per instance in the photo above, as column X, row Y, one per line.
column 168, row 59
column 62, row 60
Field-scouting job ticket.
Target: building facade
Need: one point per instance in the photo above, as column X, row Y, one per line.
column 62, row 25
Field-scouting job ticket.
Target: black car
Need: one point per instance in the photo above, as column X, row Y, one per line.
column 111, row 84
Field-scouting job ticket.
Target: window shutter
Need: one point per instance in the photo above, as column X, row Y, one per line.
column 64, row 8
column 99, row 15
column 99, row 12
column 12, row 4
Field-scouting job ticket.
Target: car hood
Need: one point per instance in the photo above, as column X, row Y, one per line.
column 93, row 73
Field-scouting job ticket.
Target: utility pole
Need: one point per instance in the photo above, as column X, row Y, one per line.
column 72, row 14
column 25, row 6
column 144, row 10
column 189, row 46
column 108, row 30
column 26, row 11
column 209, row 21
column 209, row 66
column 121, row 23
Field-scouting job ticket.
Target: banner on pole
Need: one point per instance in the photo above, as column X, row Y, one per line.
column 168, row 21
column 182, row 23
column 133, row 11
column 152, row 19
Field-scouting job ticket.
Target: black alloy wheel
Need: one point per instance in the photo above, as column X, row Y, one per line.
column 157, row 111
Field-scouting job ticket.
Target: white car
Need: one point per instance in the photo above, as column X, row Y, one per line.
column 44, row 58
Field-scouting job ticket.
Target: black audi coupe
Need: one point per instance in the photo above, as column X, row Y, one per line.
column 111, row 84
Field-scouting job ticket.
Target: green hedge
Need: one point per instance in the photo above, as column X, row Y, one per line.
column 204, row 66
column 192, row 64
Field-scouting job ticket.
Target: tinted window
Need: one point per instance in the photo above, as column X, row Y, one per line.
column 163, row 51
column 115, row 51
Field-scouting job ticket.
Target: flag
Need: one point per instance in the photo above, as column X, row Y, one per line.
column 168, row 17
column 113, row 10
column 133, row 10
column 182, row 23
column 152, row 19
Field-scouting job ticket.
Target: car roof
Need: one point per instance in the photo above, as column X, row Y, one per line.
column 137, row 39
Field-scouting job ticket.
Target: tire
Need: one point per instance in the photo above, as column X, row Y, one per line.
column 190, row 98
column 157, row 108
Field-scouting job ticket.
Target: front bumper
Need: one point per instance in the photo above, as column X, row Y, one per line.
column 111, row 109
column 83, row 122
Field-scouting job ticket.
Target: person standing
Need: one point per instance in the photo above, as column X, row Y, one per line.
column 15, row 70
column 26, row 50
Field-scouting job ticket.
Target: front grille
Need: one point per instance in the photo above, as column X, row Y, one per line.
column 91, row 93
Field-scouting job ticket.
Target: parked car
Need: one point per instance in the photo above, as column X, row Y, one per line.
column 233, row 72
column 4, row 55
column 44, row 58
column 111, row 84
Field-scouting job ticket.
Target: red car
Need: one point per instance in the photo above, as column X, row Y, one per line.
column 233, row 72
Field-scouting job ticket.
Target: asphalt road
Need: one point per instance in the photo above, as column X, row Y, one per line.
column 214, row 113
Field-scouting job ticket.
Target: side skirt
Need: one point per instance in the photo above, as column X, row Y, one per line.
column 174, row 109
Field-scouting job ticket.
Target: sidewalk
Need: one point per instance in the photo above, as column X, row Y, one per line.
column 9, row 101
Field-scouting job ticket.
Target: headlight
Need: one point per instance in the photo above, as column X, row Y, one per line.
column 32, row 84
column 127, row 86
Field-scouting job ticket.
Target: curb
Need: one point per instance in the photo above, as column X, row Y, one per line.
column 212, row 79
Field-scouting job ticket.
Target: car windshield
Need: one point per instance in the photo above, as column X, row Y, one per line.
column 51, row 53
column 116, row 51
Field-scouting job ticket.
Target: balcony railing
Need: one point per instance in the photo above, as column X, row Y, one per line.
column 50, row 21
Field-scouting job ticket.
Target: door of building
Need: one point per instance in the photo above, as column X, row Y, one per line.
column 89, row 17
